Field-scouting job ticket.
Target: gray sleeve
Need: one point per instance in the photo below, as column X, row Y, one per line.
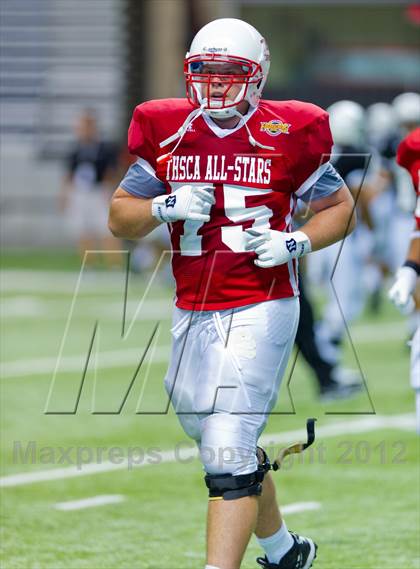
column 329, row 182
column 141, row 181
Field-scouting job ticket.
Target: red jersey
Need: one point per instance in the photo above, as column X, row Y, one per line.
column 254, row 187
column 408, row 156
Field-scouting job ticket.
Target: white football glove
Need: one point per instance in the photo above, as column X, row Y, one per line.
column 187, row 202
column 275, row 247
column 402, row 290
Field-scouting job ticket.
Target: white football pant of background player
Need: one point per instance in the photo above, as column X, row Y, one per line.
column 415, row 370
column 401, row 294
column 340, row 267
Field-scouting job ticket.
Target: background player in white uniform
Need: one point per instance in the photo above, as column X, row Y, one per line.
column 233, row 330
column 404, row 288
column 345, row 261
column 406, row 108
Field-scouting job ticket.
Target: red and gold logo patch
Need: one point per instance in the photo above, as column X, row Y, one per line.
column 275, row 127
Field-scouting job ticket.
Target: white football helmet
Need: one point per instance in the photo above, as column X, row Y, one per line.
column 228, row 43
column 381, row 122
column 407, row 108
column 347, row 123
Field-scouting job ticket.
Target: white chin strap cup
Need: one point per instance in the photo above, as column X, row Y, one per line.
column 221, row 113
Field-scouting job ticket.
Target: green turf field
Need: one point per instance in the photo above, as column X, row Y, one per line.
column 362, row 474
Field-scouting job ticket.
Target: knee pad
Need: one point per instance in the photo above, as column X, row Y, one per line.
column 230, row 487
column 227, row 445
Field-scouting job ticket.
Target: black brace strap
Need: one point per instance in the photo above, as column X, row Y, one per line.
column 229, row 487
column 297, row 447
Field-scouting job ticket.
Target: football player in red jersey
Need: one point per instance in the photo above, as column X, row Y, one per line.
column 401, row 293
column 224, row 170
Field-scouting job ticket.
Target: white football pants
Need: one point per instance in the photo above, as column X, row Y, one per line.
column 415, row 358
column 224, row 376
column 415, row 373
column 346, row 292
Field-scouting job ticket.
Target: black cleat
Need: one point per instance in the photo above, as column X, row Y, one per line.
column 335, row 390
column 344, row 383
column 300, row 556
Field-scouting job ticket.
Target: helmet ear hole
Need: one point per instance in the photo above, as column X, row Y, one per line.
column 259, row 83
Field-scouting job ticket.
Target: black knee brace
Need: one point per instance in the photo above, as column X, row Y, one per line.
column 229, row 487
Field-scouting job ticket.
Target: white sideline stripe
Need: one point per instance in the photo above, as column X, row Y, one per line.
column 298, row 507
column 125, row 358
column 95, row 501
column 371, row 423
column 89, row 502
column 58, row 281
column 99, row 282
column 109, row 359
column 28, row 307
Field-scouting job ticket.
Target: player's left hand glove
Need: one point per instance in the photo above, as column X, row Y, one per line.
column 402, row 290
column 275, row 247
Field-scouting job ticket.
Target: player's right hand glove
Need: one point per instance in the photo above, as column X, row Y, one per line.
column 187, row 202
column 402, row 290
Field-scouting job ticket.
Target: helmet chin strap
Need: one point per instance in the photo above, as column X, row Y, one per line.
column 251, row 139
column 230, row 112
column 193, row 116
column 183, row 128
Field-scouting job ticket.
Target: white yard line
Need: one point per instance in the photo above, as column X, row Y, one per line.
column 22, row 307
column 99, row 282
column 352, row 427
column 106, row 499
column 93, row 502
column 34, row 307
column 106, row 360
column 186, row 453
column 129, row 357
column 298, row 507
column 65, row 283
column 55, row 280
